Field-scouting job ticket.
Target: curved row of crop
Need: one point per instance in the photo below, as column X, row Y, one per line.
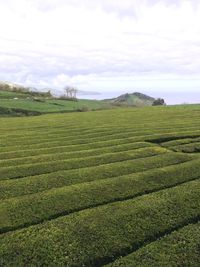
column 40, row 137
column 139, row 136
column 11, row 127
column 31, row 209
column 24, row 170
column 96, row 236
column 62, row 155
column 180, row 248
column 188, row 148
column 39, row 183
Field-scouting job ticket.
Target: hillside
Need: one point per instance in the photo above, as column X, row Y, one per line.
column 16, row 100
column 23, row 102
column 135, row 99
column 92, row 189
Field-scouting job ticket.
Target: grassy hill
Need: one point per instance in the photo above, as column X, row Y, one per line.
column 110, row 188
column 135, row 99
column 36, row 103
column 16, row 100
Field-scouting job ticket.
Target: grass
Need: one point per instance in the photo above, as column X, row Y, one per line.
column 11, row 95
column 113, row 187
column 32, row 103
column 23, row 104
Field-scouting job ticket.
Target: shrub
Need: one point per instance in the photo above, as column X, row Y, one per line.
column 180, row 248
column 96, row 236
column 49, row 204
column 158, row 102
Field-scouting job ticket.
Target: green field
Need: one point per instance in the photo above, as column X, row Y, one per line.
column 29, row 103
column 20, row 104
column 118, row 187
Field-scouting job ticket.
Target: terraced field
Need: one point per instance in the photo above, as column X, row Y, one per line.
column 105, row 188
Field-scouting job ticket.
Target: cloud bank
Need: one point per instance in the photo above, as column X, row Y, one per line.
column 102, row 45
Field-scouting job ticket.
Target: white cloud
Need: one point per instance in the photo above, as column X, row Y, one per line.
column 92, row 44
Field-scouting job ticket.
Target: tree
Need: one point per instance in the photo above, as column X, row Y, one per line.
column 71, row 92
column 159, row 102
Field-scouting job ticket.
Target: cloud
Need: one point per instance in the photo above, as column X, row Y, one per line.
column 90, row 44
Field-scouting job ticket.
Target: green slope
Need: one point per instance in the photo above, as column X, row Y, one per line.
column 135, row 99
column 19, row 103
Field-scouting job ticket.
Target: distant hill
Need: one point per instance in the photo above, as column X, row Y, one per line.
column 9, row 85
column 134, row 99
column 18, row 100
column 23, row 91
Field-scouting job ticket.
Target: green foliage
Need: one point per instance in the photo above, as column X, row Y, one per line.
column 93, row 188
column 95, row 236
column 17, row 112
column 182, row 144
column 52, row 166
column 43, row 102
column 83, row 109
column 132, row 100
column 58, row 154
column 181, row 248
column 33, row 103
column 38, row 183
column 10, row 90
column 158, row 102
column 27, row 210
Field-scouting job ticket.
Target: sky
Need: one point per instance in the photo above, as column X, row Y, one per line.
column 104, row 46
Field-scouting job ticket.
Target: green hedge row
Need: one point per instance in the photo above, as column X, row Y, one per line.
column 66, row 142
column 180, row 248
column 73, row 122
column 98, row 236
column 76, row 154
column 17, row 112
column 67, row 137
column 139, row 136
column 176, row 142
column 34, row 184
column 188, row 148
column 76, row 163
column 36, row 137
column 76, row 142
column 81, row 140
column 70, row 135
column 94, row 119
column 34, row 208
column 69, row 148
column 173, row 136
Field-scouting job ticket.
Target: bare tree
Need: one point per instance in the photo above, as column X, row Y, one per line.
column 71, row 92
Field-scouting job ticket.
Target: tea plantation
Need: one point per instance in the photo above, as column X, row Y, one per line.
column 114, row 188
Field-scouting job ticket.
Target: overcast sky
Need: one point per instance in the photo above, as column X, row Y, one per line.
column 102, row 45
